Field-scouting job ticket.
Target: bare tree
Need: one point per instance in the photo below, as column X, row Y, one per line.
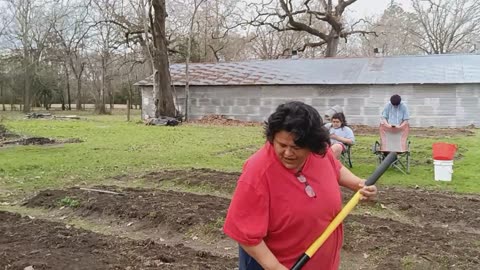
column 71, row 32
column 164, row 104
column 393, row 34
column 106, row 42
column 196, row 4
column 154, row 41
column 33, row 27
column 446, row 26
column 4, row 24
column 268, row 43
column 321, row 19
column 215, row 35
column 218, row 34
column 23, row 18
column 3, row 82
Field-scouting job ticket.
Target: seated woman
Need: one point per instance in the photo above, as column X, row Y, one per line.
column 340, row 134
column 327, row 117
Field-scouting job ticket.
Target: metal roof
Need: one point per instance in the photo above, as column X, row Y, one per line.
column 428, row 69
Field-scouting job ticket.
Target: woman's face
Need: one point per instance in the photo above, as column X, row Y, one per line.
column 336, row 123
column 289, row 154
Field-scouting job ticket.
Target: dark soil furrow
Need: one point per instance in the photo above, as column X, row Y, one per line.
column 49, row 245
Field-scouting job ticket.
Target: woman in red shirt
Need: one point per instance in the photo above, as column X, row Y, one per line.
column 288, row 193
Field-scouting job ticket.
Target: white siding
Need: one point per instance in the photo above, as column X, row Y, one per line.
column 429, row 105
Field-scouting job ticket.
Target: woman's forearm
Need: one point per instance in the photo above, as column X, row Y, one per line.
column 345, row 140
column 349, row 180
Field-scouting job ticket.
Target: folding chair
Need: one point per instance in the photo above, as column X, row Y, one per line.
column 394, row 139
column 346, row 156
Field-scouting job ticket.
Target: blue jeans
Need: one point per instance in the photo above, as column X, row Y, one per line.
column 246, row 262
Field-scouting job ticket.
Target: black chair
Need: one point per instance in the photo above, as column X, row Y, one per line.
column 346, row 156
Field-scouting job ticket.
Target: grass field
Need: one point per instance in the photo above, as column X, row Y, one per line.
column 112, row 146
column 113, row 200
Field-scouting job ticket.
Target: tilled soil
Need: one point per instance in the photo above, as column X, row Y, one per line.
column 43, row 244
column 441, row 231
column 421, row 206
column 435, row 208
column 216, row 180
column 217, row 119
column 418, row 131
column 8, row 138
column 177, row 211
column 396, row 245
column 30, row 141
column 357, row 129
column 6, row 134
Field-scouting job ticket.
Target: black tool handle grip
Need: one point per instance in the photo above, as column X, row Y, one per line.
column 300, row 262
column 387, row 161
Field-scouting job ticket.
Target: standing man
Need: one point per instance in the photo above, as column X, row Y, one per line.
column 395, row 113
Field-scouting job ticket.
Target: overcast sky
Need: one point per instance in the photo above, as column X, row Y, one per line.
column 363, row 8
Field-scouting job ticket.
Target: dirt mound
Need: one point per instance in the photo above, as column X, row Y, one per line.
column 32, row 141
column 216, row 119
column 434, row 208
column 8, row 138
column 217, row 180
column 29, row 141
column 394, row 245
column 36, row 141
column 5, row 134
column 3, row 130
column 423, row 206
column 49, row 245
column 71, row 140
column 418, row 132
column 424, row 229
column 177, row 211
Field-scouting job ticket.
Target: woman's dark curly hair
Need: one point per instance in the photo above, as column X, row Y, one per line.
column 303, row 121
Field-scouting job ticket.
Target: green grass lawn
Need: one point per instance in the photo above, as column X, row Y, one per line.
column 113, row 147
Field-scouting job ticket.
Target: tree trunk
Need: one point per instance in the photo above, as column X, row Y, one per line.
column 129, row 101
column 79, row 94
column 332, row 47
column 186, row 111
column 110, row 94
column 100, row 104
column 163, row 96
column 12, row 102
column 26, row 95
column 27, row 86
column 46, row 103
column 79, row 87
column 100, row 107
column 67, row 74
column 2, row 97
column 62, row 100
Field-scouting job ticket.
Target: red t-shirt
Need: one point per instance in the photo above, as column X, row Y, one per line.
column 270, row 203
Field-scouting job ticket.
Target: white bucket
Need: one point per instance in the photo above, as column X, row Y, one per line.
column 443, row 170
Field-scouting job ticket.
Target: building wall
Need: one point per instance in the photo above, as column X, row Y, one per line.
column 148, row 108
column 429, row 105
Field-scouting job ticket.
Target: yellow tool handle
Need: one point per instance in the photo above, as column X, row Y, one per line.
column 334, row 224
